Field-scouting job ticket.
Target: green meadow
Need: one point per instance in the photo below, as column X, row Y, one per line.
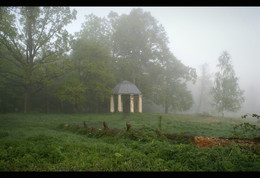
column 36, row 142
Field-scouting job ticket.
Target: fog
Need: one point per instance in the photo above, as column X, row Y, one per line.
column 199, row 35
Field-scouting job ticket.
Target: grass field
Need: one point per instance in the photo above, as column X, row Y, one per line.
column 34, row 142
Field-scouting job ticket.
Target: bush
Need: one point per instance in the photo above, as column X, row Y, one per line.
column 246, row 129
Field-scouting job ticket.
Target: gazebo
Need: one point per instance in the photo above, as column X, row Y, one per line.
column 125, row 88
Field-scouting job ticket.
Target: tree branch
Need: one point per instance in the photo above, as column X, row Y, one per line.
column 9, row 48
column 11, row 81
column 42, row 30
column 9, row 72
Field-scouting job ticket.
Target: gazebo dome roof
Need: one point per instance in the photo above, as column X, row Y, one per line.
column 126, row 87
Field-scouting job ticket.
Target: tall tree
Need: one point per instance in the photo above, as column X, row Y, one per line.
column 92, row 62
column 34, row 40
column 137, row 43
column 172, row 91
column 72, row 90
column 140, row 48
column 91, row 70
column 204, row 85
column 227, row 95
column 96, row 29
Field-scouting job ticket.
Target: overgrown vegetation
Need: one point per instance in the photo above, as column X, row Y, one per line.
column 35, row 142
column 247, row 129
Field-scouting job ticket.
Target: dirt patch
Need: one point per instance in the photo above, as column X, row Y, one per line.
column 206, row 142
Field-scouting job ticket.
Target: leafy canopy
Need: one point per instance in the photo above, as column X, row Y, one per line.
column 227, row 95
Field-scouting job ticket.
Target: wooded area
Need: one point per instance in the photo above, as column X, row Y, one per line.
column 45, row 69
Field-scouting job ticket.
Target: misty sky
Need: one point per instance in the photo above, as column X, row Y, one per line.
column 199, row 35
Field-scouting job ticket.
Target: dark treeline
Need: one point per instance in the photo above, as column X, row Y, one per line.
column 45, row 69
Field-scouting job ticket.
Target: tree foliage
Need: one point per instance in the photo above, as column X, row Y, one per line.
column 227, row 95
column 32, row 42
column 90, row 80
column 40, row 60
column 140, row 46
column 137, row 41
column 172, row 89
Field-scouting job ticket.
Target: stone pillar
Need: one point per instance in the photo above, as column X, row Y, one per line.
column 120, row 104
column 131, row 103
column 112, row 105
column 140, row 104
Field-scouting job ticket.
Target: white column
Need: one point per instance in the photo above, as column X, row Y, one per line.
column 120, row 105
column 112, row 105
column 131, row 103
column 140, row 105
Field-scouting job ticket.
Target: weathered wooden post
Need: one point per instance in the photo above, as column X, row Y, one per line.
column 105, row 125
column 128, row 126
column 86, row 125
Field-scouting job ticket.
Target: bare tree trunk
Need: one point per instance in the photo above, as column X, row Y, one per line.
column 27, row 100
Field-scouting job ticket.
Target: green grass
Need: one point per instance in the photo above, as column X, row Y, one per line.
column 34, row 142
